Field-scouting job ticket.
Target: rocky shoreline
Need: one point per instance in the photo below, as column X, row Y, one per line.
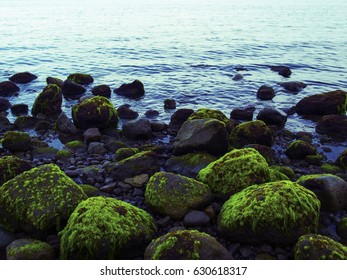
column 204, row 186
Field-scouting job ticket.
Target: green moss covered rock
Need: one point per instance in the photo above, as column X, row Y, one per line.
column 81, row 79
column 276, row 213
column 75, row 145
column 330, row 190
column 16, row 141
column 96, row 111
column 318, row 247
column 300, row 150
column 285, row 170
column 174, row 195
column 267, row 152
column 106, row 228
column 186, row 245
column 89, row 190
column 252, row 132
column 330, row 168
column 48, row 102
column 39, row 200
column 29, row 249
column 124, row 153
column 235, row 171
column 276, row 175
column 11, row 166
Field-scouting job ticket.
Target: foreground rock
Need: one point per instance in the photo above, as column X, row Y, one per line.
column 104, row 229
column 133, row 90
column 39, row 200
column 8, row 88
column 318, row 247
column 29, row 249
column 11, row 166
column 48, row 102
column 186, row 245
column 174, row 195
column 329, row 103
column 22, row 78
column 235, row 171
column 209, row 135
column 96, row 111
column 275, row 213
column 330, row 190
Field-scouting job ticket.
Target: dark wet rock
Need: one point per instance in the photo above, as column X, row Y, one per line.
column 29, row 249
column 75, row 146
column 71, row 89
column 282, row 70
column 16, row 141
column 294, row 86
column 6, row 237
column 8, row 88
column 330, row 190
column 267, row 152
column 329, row 103
column 300, row 149
column 96, row 111
column 178, row 118
column 124, row 112
column 133, row 90
column 141, row 163
column 102, row 90
column 92, row 135
column 341, row 230
column 209, row 135
column 265, row 93
column 152, row 113
column 106, row 228
column 45, row 153
column 237, row 77
column 54, row 81
column 252, row 132
column 157, row 126
column 48, row 102
column 11, row 166
column 25, row 122
column 333, row 125
column 19, row 109
column 81, row 79
column 4, row 122
column 114, row 145
column 96, row 148
column 244, row 114
column 188, row 165
column 65, row 125
column 123, row 153
column 196, row 218
column 272, row 116
column 273, row 213
column 42, row 126
column 186, row 245
column 169, row 104
column 175, row 195
column 140, row 129
column 22, row 78
column 318, row 247
column 138, row 181
column 4, row 104
column 342, row 160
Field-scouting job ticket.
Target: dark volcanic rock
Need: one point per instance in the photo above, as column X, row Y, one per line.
column 265, row 93
column 178, row 118
column 282, row 70
column 140, row 129
column 4, row 104
column 8, row 88
column 272, row 116
column 133, row 90
column 23, row 78
column 333, row 125
column 245, row 114
column 71, row 89
column 293, row 86
column 48, row 102
column 124, row 112
column 19, row 109
column 102, row 90
column 329, row 103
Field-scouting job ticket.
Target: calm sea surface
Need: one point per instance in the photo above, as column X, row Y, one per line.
column 183, row 49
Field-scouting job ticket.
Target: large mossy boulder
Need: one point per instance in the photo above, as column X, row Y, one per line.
column 235, row 171
column 276, row 213
column 252, row 132
column 330, row 190
column 329, row 103
column 175, row 195
column 48, row 102
column 11, row 166
column 186, row 245
column 318, row 247
column 16, row 141
column 300, row 149
column 81, row 79
column 29, row 249
column 96, row 111
column 106, row 228
column 205, row 135
column 39, row 201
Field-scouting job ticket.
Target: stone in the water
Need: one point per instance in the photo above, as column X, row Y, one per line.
column 22, row 78
column 124, row 112
column 81, row 79
column 54, row 81
column 140, row 129
column 8, row 88
column 152, row 113
column 282, row 70
column 48, row 102
column 272, row 116
column 237, row 77
column 333, row 125
column 72, row 90
column 133, row 90
column 4, row 104
column 265, row 93
column 244, row 114
column 102, row 90
column 19, row 109
column 178, row 118
column 169, row 104
column 294, row 86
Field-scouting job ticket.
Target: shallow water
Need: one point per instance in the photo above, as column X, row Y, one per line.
column 184, row 49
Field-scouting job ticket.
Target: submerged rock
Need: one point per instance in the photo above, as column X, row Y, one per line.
column 169, row 104
column 124, row 112
column 19, row 109
column 265, row 93
column 282, row 70
column 72, row 90
column 22, row 78
column 294, row 86
column 133, row 90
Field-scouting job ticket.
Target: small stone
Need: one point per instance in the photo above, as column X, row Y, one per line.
column 19, row 109
column 169, row 104
column 92, row 135
column 196, row 218
column 108, row 188
column 102, row 90
column 96, row 148
column 152, row 113
column 137, row 181
column 163, row 222
column 246, row 251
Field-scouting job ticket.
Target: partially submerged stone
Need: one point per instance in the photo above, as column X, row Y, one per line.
column 132, row 90
column 8, row 88
column 22, row 78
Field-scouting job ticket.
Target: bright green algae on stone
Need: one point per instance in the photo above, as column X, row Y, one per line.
column 318, row 247
column 276, row 212
column 80, row 78
column 49, row 101
column 29, row 249
column 285, row 170
column 16, row 141
column 174, row 195
column 235, row 171
column 124, row 153
column 11, row 166
column 276, row 175
column 105, row 228
column 39, row 200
